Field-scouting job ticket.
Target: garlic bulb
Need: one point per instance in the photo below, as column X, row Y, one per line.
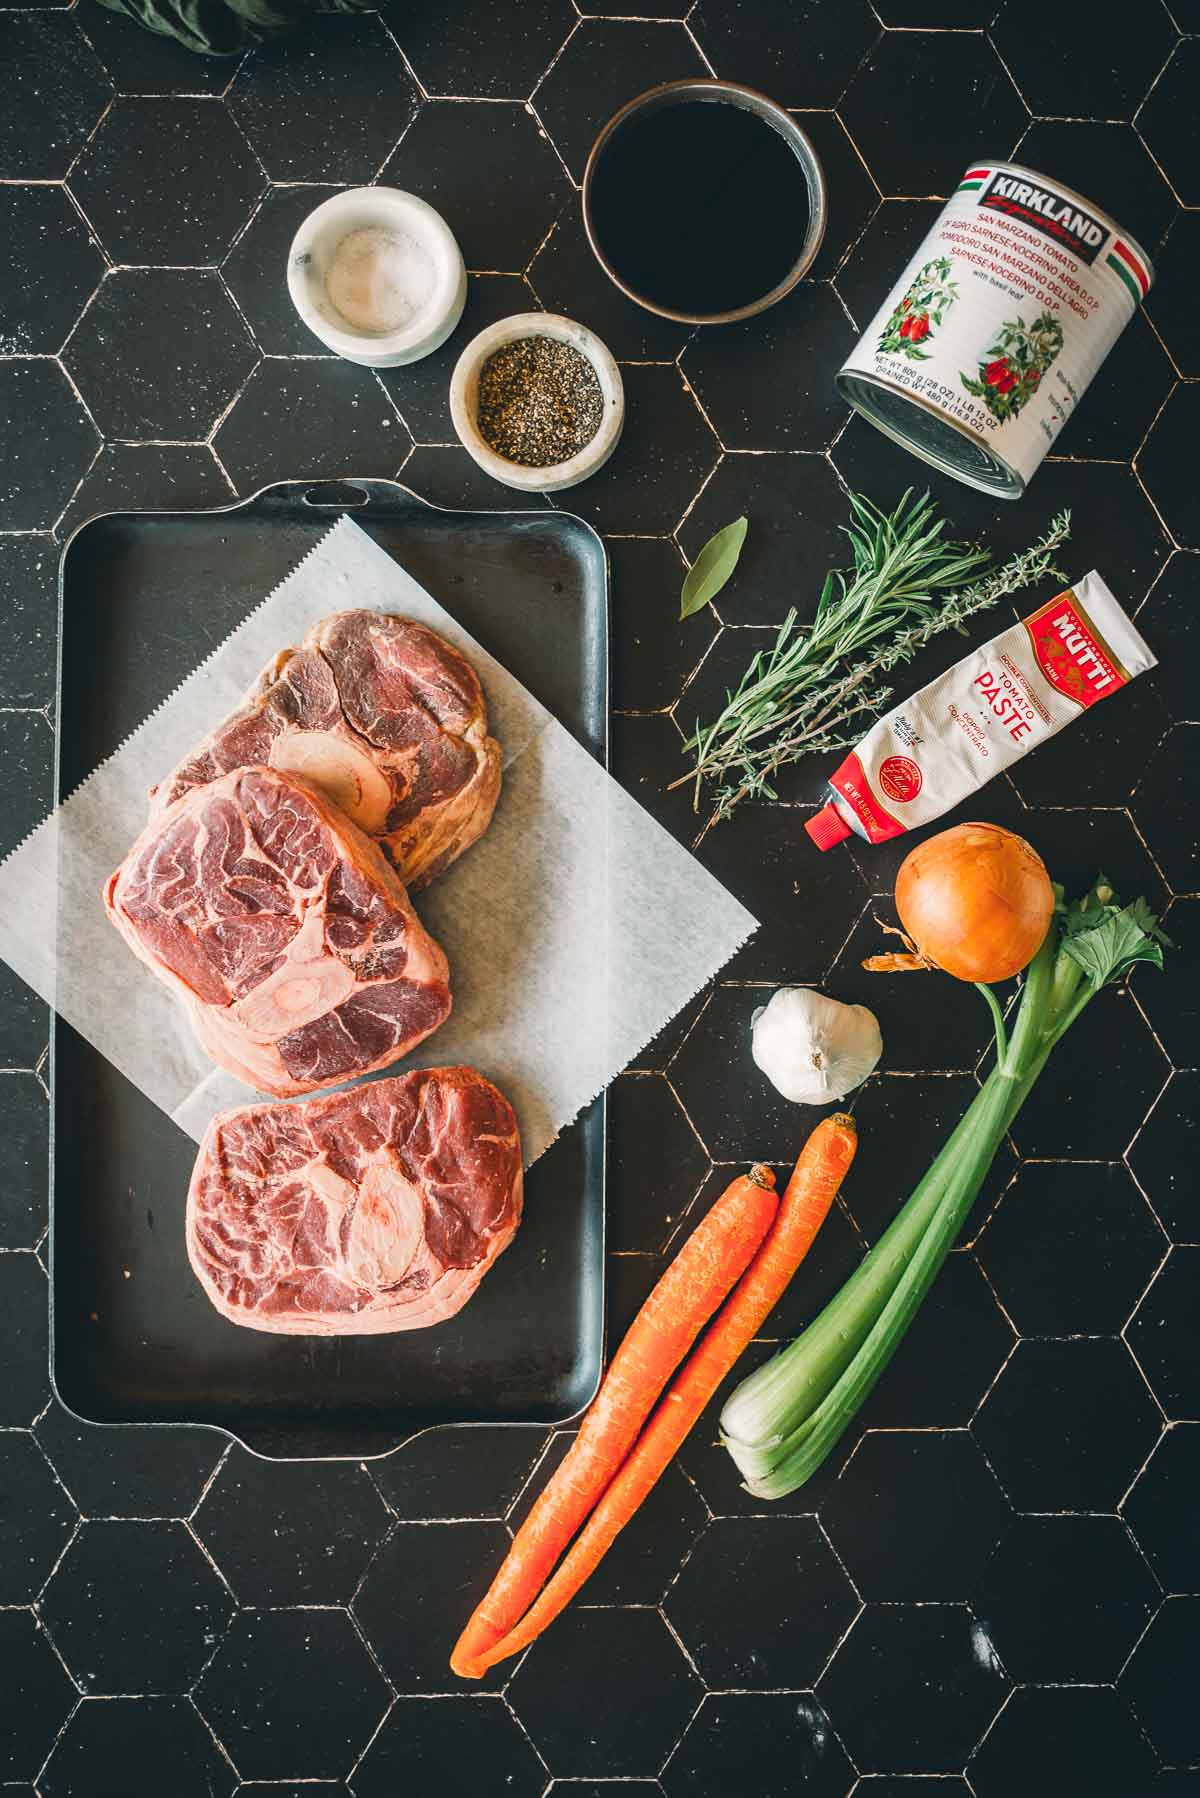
column 814, row 1049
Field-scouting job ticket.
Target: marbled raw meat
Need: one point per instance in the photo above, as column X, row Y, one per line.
column 386, row 718
column 288, row 935
column 360, row 1212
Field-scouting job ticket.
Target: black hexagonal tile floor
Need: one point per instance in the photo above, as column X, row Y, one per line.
column 56, row 265
column 803, row 903
column 903, row 1122
column 915, row 1515
column 350, row 425
column 1107, row 164
column 1160, row 469
column 290, row 99
column 1153, row 1686
column 1167, row 121
column 964, row 1029
column 458, row 1472
column 153, row 1745
column 666, row 452
column 115, row 1472
column 1072, row 1114
column 448, row 477
column 1161, row 1508
column 1169, row 622
column 61, row 92
column 761, row 1603
column 569, row 279
column 24, row 1019
column 649, row 1692
column 140, row 477
column 1065, row 1598
column 606, row 62
column 739, row 372
column 955, row 1347
column 255, row 270
column 800, row 54
column 23, row 1160
column 1067, row 1424
column 35, row 1696
column 1080, row 844
column 135, row 1607
column 1173, row 1007
column 1135, row 545
column 911, row 1785
column 1123, row 399
column 1160, row 1334
column 26, row 755
column 283, row 1533
column 159, row 353
column 912, row 147
column 430, row 1744
column 912, row 1688
column 38, row 1518
column 648, row 1132
column 778, row 568
column 293, row 1694
column 419, row 1591
column 190, row 219
column 1070, row 1248
column 50, row 442
column 500, row 222
column 1164, row 1158
column 651, row 652
column 25, row 1387
column 1160, row 808
column 771, row 1744
column 735, row 1108
column 1038, row 43
column 877, row 259
column 421, row 391
column 477, row 51
column 28, row 594
column 150, row 64
column 855, row 196
column 1077, row 1739
column 1094, row 762
column 1167, row 301
column 645, row 754
column 647, row 1554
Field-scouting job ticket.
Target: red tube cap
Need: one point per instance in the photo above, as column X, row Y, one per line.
column 827, row 827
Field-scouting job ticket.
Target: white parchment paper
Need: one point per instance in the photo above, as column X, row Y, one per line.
column 575, row 929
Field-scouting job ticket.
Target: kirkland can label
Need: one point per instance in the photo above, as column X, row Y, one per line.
column 997, row 325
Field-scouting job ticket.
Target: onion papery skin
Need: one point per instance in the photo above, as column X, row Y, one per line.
column 976, row 901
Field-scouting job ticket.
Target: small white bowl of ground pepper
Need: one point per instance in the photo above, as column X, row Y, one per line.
column 538, row 402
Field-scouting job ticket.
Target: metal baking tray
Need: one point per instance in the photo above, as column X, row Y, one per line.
column 143, row 598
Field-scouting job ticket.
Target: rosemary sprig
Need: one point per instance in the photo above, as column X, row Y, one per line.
column 797, row 698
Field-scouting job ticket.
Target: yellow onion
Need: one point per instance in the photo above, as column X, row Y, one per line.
column 976, row 901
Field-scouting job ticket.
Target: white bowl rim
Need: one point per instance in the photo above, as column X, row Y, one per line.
column 555, row 475
column 403, row 205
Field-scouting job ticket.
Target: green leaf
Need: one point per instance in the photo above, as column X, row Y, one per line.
column 1107, row 940
column 712, row 567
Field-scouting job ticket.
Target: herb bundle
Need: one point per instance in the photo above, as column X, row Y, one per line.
column 797, row 698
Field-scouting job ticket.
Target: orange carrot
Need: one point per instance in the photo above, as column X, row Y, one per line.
column 810, row 1192
column 715, row 1255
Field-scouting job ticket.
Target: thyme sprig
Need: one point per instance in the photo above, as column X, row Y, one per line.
column 798, row 697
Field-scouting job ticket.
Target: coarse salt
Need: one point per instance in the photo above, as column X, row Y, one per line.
column 379, row 280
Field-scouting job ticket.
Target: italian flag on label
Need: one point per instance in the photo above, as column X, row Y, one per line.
column 971, row 180
column 1123, row 261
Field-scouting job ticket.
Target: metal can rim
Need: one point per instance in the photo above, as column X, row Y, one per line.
column 1019, row 484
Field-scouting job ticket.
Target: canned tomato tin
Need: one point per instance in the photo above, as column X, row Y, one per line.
column 983, row 348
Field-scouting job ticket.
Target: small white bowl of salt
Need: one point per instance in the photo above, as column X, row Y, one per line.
column 378, row 276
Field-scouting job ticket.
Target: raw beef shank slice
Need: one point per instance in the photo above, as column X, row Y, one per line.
column 288, row 935
column 387, row 719
column 361, row 1212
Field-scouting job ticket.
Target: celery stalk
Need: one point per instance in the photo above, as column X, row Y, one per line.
column 783, row 1420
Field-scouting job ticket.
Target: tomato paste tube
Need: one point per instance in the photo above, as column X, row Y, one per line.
column 982, row 715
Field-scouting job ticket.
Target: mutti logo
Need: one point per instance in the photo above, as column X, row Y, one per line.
column 1069, row 653
column 1063, row 220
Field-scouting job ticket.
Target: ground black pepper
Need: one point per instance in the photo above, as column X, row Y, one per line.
column 540, row 402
